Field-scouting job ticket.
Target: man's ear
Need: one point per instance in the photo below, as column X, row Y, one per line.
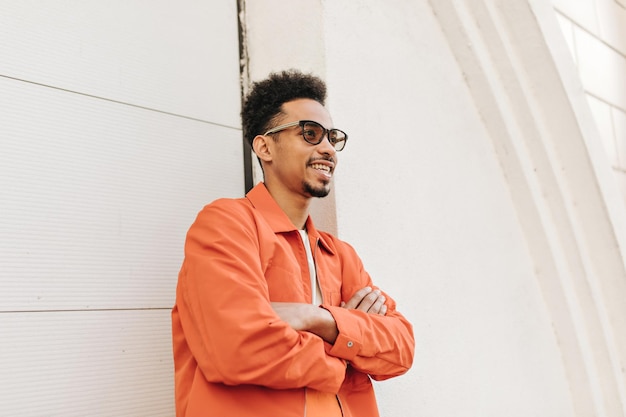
column 261, row 147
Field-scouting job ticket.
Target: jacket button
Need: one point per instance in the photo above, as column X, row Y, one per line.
column 350, row 344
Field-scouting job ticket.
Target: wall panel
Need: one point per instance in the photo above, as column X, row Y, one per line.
column 174, row 56
column 92, row 363
column 602, row 69
column 97, row 197
column 119, row 120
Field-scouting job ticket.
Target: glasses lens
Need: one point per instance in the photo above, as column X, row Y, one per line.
column 338, row 138
column 313, row 132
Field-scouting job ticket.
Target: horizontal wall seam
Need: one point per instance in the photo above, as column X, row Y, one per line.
column 137, row 106
column 86, row 310
column 605, row 101
column 590, row 33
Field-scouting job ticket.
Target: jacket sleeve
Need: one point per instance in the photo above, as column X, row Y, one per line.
column 381, row 346
column 225, row 312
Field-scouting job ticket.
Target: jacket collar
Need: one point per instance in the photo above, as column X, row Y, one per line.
column 262, row 200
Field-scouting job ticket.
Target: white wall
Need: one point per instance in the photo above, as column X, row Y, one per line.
column 118, row 121
column 422, row 195
column 595, row 31
column 475, row 188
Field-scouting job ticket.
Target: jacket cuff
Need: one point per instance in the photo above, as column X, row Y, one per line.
column 349, row 341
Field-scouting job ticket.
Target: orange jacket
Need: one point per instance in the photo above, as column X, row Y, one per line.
column 233, row 355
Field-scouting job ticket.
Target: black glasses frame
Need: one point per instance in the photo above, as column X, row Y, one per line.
column 336, row 137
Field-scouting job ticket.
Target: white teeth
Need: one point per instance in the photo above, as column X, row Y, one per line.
column 321, row 167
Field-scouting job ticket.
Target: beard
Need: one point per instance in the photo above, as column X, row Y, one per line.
column 316, row 191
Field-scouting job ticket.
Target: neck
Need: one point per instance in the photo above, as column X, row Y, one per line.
column 295, row 207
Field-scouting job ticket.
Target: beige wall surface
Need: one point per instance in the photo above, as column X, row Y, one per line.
column 478, row 186
column 422, row 196
column 477, row 192
column 595, row 31
column 119, row 120
column 426, row 182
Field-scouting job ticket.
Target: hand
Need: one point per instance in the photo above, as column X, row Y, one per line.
column 371, row 302
column 308, row 318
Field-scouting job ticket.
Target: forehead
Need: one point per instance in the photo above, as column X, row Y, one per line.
column 306, row 109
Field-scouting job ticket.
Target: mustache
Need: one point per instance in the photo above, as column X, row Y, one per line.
column 323, row 158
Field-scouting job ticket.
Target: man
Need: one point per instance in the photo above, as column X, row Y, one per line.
column 273, row 317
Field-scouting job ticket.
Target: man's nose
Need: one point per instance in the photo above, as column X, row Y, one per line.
column 326, row 147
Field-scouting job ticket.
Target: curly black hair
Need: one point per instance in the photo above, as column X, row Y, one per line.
column 262, row 107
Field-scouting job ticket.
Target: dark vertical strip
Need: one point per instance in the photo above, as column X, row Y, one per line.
column 243, row 81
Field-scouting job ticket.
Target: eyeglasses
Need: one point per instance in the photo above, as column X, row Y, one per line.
column 314, row 133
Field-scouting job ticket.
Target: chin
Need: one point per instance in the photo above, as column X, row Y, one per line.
column 316, row 191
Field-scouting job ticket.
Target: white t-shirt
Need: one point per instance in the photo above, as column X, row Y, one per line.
column 318, row 403
column 315, row 286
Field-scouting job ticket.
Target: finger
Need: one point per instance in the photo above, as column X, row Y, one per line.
column 376, row 308
column 369, row 301
column 356, row 299
column 383, row 310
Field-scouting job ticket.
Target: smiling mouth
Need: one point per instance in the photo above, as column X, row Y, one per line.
column 321, row 167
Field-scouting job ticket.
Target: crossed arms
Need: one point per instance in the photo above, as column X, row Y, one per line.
column 236, row 335
column 319, row 321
